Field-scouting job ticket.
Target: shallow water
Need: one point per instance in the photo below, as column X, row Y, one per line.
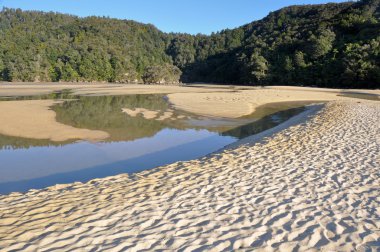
column 363, row 96
column 135, row 143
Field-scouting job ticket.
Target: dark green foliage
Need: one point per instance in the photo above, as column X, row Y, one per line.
column 331, row 45
column 161, row 74
column 105, row 113
column 38, row 46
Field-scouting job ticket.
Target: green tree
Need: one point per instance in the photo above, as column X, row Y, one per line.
column 322, row 44
column 299, row 59
column 161, row 74
column 258, row 67
column 329, row 45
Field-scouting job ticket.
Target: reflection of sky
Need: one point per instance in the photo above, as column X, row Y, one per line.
column 24, row 164
column 39, row 167
column 166, row 138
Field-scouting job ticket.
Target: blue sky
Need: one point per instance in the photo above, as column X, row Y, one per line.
column 191, row 16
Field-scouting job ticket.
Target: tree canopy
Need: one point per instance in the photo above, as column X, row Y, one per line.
column 330, row 45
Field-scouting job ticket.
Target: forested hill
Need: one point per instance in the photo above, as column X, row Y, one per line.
column 37, row 46
column 331, row 45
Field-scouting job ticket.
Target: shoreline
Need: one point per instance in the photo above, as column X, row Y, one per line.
column 233, row 102
column 308, row 186
column 196, row 84
column 311, row 110
column 34, row 119
column 212, row 102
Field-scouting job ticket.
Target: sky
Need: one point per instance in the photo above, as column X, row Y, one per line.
column 188, row 16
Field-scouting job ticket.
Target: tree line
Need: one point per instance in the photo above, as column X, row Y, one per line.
column 330, row 45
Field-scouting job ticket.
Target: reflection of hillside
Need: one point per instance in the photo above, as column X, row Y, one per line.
column 263, row 124
column 105, row 113
column 275, row 107
column 101, row 113
column 264, row 117
column 63, row 94
column 9, row 142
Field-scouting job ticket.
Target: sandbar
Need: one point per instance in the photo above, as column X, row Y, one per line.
column 312, row 186
column 34, row 119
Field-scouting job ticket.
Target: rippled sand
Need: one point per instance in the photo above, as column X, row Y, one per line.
column 314, row 185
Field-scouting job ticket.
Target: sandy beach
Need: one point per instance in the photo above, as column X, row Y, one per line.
column 28, row 118
column 190, row 126
column 34, row 119
column 313, row 185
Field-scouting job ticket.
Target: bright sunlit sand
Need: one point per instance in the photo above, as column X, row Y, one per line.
column 313, row 184
column 133, row 126
column 310, row 182
column 34, row 119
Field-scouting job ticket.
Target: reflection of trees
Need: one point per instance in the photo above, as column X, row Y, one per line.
column 263, row 124
column 62, row 94
column 105, row 113
column 99, row 113
column 10, row 142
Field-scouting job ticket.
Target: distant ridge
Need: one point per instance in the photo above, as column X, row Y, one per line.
column 330, row 45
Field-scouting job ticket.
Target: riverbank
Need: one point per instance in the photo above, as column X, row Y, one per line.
column 35, row 119
column 311, row 186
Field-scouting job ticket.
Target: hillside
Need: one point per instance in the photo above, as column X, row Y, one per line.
column 39, row 46
column 331, row 45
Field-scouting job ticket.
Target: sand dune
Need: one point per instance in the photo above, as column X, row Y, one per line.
column 313, row 186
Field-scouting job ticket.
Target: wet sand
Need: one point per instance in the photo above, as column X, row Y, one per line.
column 313, row 185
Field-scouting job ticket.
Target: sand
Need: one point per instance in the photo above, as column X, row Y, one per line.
column 146, row 113
column 168, row 115
column 37, row 121
column 206, row 100
column 23, row 89
column 150, row 114
column 311, row 186
column 34, row 119
column 245, row 102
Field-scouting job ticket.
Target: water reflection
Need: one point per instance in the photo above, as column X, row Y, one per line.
column 105, row 113
column 135, row 143
column 263, row 124
column 372, row 97
column 182, row 152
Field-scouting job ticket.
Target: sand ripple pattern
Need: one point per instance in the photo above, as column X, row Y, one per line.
column 314, row 186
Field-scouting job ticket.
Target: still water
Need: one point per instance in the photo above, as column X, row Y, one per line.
column 137, row 142
column 363, row 96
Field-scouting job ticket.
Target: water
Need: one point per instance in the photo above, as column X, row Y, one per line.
column 135, row 143
column 363, row 96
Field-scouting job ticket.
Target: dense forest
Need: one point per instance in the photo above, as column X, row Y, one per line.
column 330, row 45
